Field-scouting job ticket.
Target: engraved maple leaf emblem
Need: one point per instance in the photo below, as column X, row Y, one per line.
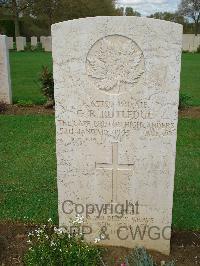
column 115, row 62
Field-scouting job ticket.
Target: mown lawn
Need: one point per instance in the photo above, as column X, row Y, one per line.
column 190, row 77
column 26, row 67
column 28, row 168
column 25, row 71
column 28, row 171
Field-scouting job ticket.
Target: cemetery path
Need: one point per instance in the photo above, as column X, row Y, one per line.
column 185, row 247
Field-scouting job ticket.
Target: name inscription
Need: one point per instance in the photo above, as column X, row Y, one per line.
column 98, row 119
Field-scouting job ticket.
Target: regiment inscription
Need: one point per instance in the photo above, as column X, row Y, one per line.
column 117, row 92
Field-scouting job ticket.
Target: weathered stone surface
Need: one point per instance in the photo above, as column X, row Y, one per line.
column 117, row 92
column 48, row 44
column 20, row 43
column 10, row 42
column 5, row 82
column 34, row 41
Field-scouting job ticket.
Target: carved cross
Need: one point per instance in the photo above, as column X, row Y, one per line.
column 115, row 167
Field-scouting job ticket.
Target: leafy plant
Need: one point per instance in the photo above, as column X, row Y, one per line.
column 140, row 257
column 55, row 246
column 47, row 83
column 184, row 100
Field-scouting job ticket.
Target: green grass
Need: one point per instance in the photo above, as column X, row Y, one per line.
column 25, row 71
column 190, row 77
column 186, row 211
column 26, row 66
column 28, row 171
column 28, row 168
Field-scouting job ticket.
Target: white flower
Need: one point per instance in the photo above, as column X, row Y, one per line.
column 52, row 244
column 50, row 220
column 29, row 241
column 79, row 219
column 97, row 240
column 102, row 237
column 39, row 232
column 63, row 230
column 30, row 234
column 60, row 230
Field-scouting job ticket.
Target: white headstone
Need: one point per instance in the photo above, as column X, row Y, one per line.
column 42, row 40
column 5, row 82
column 117, row 93
column 10, row 42
column 48, row 44
column 20, row 43
column 34, row 41
column 191, row 42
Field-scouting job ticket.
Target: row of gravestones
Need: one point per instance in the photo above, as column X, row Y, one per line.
column 190, row 42
column 116, row 91
column 6, row 43
column 46, row 43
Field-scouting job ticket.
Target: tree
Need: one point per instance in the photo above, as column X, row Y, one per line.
column 120, row 11
column 173, row 17
column 130, row 12
column 37, row 16
column 52, row 11
column 191, row 9
column 14, row 9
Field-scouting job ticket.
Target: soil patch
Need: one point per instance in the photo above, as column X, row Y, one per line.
column 192, row 112
column 185, row 247
column 27, row 110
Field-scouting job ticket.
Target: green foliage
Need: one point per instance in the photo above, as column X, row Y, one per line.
column 41, row 14
column 184, row 100
column 7, row 27
column 140, row 257
column 47, row 83
column 198, row 49
column 55, row 246
column 174, row 17
column 191, row 10
column 129, row 11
